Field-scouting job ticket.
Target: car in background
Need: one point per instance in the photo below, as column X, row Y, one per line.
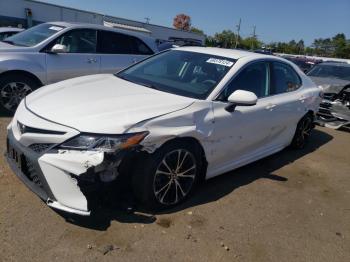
column 166, row 123
column 334, row 78
column 9, row 31
column 305, row 64
column 52, row 52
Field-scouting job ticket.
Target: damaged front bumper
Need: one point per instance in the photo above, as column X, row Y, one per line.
column 64, row 179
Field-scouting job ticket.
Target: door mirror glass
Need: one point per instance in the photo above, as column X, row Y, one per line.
column 243, row 98
column 58, row 48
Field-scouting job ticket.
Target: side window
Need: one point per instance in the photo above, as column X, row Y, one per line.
column 113, row 43
column 140, row 47
column 254, row 78
column 284, row 79
column 116, row 43
column 78, row 41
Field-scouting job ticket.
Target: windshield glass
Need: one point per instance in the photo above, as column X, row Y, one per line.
column 180, row 72
column 341, row 72
column 34, row 35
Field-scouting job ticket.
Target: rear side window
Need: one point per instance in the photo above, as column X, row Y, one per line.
column 78, row 41
column 116, row 43
column 253, row 78
column 284, row 79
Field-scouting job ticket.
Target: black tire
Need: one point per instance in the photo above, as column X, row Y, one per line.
column 149, row 174
column 303, row 132
column 15, row 87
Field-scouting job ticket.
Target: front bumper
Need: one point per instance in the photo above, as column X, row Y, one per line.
column 54, row 176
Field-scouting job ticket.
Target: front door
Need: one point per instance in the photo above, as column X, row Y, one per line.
column 245, row 133
column 79, row 59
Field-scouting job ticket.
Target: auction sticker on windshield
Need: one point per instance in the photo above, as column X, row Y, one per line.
column 56, row 28
column 220, row 62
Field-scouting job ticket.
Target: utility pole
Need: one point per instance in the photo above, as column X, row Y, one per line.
column 238, row 29
column 253, row 37
column 147, row 20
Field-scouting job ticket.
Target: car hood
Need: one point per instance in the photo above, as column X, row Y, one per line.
column 5, row 48
column 102, row 103
column 330, row 85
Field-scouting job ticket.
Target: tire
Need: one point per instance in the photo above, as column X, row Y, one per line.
column 13, row 88
column 303, row 132
column 167, row 177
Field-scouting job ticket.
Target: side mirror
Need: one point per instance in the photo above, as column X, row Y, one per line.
column 57, row 48
column 241, row 98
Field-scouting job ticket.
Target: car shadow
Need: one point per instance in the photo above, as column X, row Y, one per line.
column 122, row 207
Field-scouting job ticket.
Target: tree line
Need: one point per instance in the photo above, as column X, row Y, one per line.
column 337, row 46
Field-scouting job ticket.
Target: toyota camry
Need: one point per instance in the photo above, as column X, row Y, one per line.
column 166, row 123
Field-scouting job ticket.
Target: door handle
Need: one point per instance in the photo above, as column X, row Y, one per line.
column 270, row 106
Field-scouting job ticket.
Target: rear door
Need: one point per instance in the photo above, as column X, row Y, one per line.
column 80, row 59
column 287, row 101
column 119, row 50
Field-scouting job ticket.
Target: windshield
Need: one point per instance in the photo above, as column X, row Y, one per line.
column 34, row 35
column 341, row 72
column 180, row 72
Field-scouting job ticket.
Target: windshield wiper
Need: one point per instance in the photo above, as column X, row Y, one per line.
column 8, row 42
column 13, row 43
column 138, row 83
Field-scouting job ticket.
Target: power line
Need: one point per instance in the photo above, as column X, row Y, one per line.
column 147, row 20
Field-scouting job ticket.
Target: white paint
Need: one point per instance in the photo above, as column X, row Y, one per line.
column 108, row 105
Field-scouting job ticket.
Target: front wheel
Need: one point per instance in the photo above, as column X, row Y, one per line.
column 303, row 132
column 13, row 89
column 167, row 177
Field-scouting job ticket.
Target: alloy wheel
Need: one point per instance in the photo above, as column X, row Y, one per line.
column 174, row 177
column 12, row 93
column 304, row 131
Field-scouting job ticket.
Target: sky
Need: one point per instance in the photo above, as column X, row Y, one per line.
column 275, row 20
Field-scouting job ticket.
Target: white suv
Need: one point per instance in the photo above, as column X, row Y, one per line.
column 51, row 52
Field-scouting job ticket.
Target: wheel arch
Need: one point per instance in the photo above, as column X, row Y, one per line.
column 24, row 73
column 197, row 146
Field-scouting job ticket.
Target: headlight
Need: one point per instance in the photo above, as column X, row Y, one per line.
column 105, row 143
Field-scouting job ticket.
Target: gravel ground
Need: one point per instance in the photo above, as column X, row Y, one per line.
column 292, row 206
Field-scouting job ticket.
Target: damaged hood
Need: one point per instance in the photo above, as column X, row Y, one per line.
column 330, row 85
column 102, row 103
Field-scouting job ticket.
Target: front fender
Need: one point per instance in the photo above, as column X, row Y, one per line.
column 196, row 121
column 34, row 64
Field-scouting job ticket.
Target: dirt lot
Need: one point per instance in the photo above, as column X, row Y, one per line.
column 293, row 206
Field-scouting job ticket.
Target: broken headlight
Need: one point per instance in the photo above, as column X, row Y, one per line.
column 105, row 143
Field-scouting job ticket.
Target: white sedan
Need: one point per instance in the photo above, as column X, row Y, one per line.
column 167, row 122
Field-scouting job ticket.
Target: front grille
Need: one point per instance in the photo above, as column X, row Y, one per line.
column 329, row 96
column 40, row 147
column 28, row 129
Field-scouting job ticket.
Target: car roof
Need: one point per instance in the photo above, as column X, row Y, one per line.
column 10, row 29
column 98, row 27
column 229, row 53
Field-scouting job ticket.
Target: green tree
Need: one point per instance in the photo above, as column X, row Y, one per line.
column 196, row 30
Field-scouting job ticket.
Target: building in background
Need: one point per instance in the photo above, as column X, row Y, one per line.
column 26, row 13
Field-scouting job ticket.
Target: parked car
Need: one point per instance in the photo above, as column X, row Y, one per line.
column 173, row 119
column 9, row 31
column 334, row 78
column 51, row 52
column 305, row 64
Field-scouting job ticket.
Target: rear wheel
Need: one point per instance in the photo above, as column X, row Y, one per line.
column 303, row 132
column 167, row 177
column 13, row 88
